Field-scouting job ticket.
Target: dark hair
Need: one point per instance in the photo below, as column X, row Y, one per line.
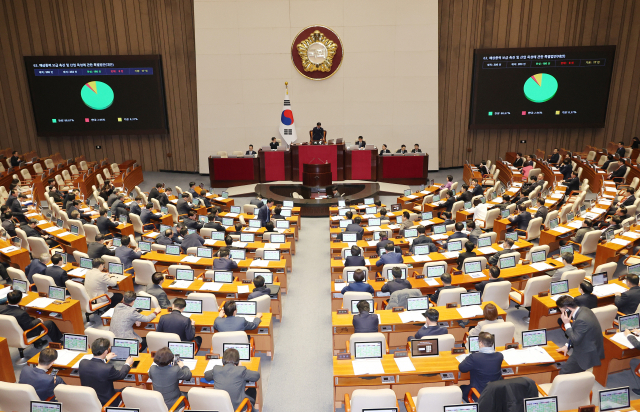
column 459, row 226
column 469, row 246
column 47, row 356
column 446, row 278
column 389, row 247
column 631, row 190
column 633, row 279
column 355, row 250
column 541, row 201
column 396, row 272
column 494, row 271
column 192, row 213
column 421, row 229
column 183, row 232
column 129, row 297
column 522, row 207
column 447, row 215
column 450, row 178
column 163, row 357
column 470, row 223
column 157, row 278
column 269, row 200
column 238, row 226
column 14, row 297
column 509, row 242
column 357, row 220
column 228, row 240
column 566, row 301
column 231, row 356
column 56, row 258
column 490, row 311
column 432, row 314
column 588, row 222
column 95, row 263
column 224, row 252
column 179, row 303
column 487, row 339
column 229, row 307
column 406, row 214
column 534, row 178
column 258, row 281
column 363, row 306
column 277, row 210
column 100, row 346
column 567, row 257
column 349, row 214
column 476, row 202
column 358, row 275
column 586, row 287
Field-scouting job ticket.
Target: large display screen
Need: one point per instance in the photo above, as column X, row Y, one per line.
column 548, row 87
column 85, row 95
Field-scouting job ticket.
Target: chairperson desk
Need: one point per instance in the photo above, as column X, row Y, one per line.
column 397, row 332
column 329, row 153
column 69, row 319
column 408, row 169
column 427, row 373
column 545, row 313
column 17, row 258
column 361, row 164
column 275, row 165
column 616, row 359
column 233, row 170
column 262, row 336
column 140, row 375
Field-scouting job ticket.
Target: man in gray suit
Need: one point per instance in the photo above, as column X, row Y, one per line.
column 567, row 259
column 156, row 290
column 232, row 378
column 585, row 336
column 125, row 316
column 231, row 323
column 42, row 382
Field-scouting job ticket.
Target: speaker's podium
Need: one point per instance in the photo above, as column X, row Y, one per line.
column 316, row 174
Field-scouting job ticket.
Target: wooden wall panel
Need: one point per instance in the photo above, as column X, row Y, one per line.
column 466, row 25
column 102, row 27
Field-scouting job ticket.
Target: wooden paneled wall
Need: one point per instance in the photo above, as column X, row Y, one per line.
column 101, row 27
column 466, row 25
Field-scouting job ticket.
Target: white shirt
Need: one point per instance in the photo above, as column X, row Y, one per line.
column 481, row 211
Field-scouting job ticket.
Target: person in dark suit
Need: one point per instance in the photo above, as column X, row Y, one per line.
column 586, row 298
column 522, row 219
column 119, row 208
column 213, row 224
column 422, row 239
column 390, row 257
column 191, row 221
column 104, row 223
column 627, row 302
column 105, row 192
column 264, row 212
column 506, row 248
column 167, row 238
column 14, row 159
column 183, row 206
column 397, row 283
column 468, row 253
column 175, row 322
column 17, row 210
column 100, row 247
column 573, row 184
column 361, row 143
column 449, row 200
column 154, row 193
column 96, row 373
column 585, row 336
column 616, row 176
column 228, row 322
column 542, row 210
column 484, row 366
column 466, row 195
column 55, row 192
column 126, row 254
column 431, row 327
column 250, row 152
column 135, row 207
column 13, row 196
column 223, row 262
column 233, row 378
column 146, row 214
column 474, row 231
column 27, row 322
column 192, row 190
column 477, row 189
column 190, row 240
column 155, row 289
column 75, row 207
column 276, row 213
column 416, row 148
column 621, row 150
column 555, row 157
column 112, row 197
column 259, row 289
column 8, row 225
column 382, row 244
column 587, row 226
column 364, row 321
column 494, row 276
column 605, row 165
column 635, row 143
column 355, row 259
column 56, row 272
column 42, row 382
column 166, row 375
column 37, row 266
column 384, row 150
column 258, row 201
column 565, row 168
column 536, row 181
column 446, row 282
column 317, row 134
column 459, row 227
column 519, row 160
column 30, row 231
column 163, row 198
column 274, row 144
column 402, row 150
column 355, row 227
column 358, row 284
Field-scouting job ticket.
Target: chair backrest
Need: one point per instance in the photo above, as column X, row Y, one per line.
column 498, row 293
column 249, row 209
column 25, row 174
column 110, row 259
column 145, row 400
column 264, row 303
column 503, row 331
column 436, row 398
column 17, row 396
column 516, row 255
column 115, row 168
column 77, row 398
column 481, row 259
column 136, row 222
column 534, row 172
column 173, row 211
column 16, row 274
column 399, row 298
column 222, row 153
column 205, row 399
column 37, row 167
column 591, row 155
column 590, row 242
column 10, row 329
column 450, row 296
column 90, row 232
column 79, row 293
column 610, row 268
column 159, row 340
column 156, row 247
column 143, row 270
column 550, row 216
column 79, row 225
column 372, row 399
column 23, row 236
column 492, row 235
column 390, row 266
column 606, row 315
column 252, row 273
column 220, row 338
column 365, row 337
column 456, row 207
column 445, row 342
column 535, row 286
column 572, row 390
column 537, row 249
column 427, row 264
column 43, row 282
column 93, row 334
column 154, row 300
column 172, row 268
column 49, row 163
column 533, row 230
column 209, row 301
column 38, row 246
column 574, row 277
column 349, row 296
column 492, row 215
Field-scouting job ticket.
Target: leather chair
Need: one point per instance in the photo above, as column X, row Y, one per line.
column 533, row 287
column 214, row 399
column 17, row 396
column 573, row 390
column 502, row 331
column 606, row 315
column 79, row 293
column 148, row 401
column 481, row 259
column 498, row 293
column 159, row 340
column 17, row 338
column 364, row 399
column 574, row 277
column 348, row 297
column 365, row 337
column 264, row 303
column 143, row 270
column 77, row 398
column 445, row 342
column 43, row 282
column 93, row 334
column 515, row 255
column 433, row 399
column 450, row 296
column 218, row 340
column 154, row 300
column 209, row 301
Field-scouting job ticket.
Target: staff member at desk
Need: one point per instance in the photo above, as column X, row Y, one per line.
column 358, row 285
column 384, row 150
column 522, row 219
column 364, row 321
column 484, row 366
column 361, row 143
column 104, row 223
column 27, row 322
column 231, row 323
column 42, row 382
column 96, row 373
column 176, row 322
column 317, row 134
column 402, row 150
column 627, row 302
column 397, row 283
column 233, row 378
column 274, row 144
column 250, row 151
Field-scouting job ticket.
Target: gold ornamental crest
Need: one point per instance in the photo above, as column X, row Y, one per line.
column 317, row 52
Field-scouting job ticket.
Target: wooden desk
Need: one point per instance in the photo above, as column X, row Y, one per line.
column 416, row 198
column 611, row 252
column 286, row 249
column 294, row 220
column 6, row 366
column 69, row 242
column 545, row 314
column 18, row 258
column 70, row 321
column 427, row 373
column 125, row 285
column 470, row 172
column 616, row 359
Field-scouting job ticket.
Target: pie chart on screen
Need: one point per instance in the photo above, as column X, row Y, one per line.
column 97, row 95
column 540, row 87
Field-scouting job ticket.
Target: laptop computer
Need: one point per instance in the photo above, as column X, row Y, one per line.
column 368, row 350
column 193, row 306
column 123, row 410
column 553, row 223
column 421, row 304
column 144, row 246
column 343, row 212
column 131, row 344
column 349, row 237
column 217, row 235
column 142, row 303
column 559, row 287
column 542, row 404
column 42, row 406
column 598, row 279
column 410, row 233
column 472, row 267
column 354, row 305
column 538, row 256
column 507, row 262
column 203, row 219
column 427, row 215
column 614, row 399
column 439, row 229
column 467, row 407
column 435, row 271
column 289, row 203
column 225, row 195
column 182, row 350
column 390, row 273
column 536, row 337
column 235, row 209
column 75, row 342
column 369, row 201
column 247, row 237
column 246, row 308
column 629, row 322
column 513, row 236
column 223, row 276
column 467, row 205
column 424, row 347
column 86, row 263
column 371, row 210
column 227, row 221
column 238, row 254
column 122, row 353
column 244, row 350
column 255, row 223
column 282, row 224
column 185, row 274
column 570, row 216
column 469, row 298
column 344, row 223
column 484, row 241
column 271, row 255
column 74, row 229
column 172, row 250
column 342, row 203
column 57, row 293
column 566, row 249
column 20, row 285
column 454, row 246
column 204, row 252
column 633, row 269
column 421, row 250
column 504, row 213
column 115, row 268
column 277, row 238
column 375, row 222
column 268, row 277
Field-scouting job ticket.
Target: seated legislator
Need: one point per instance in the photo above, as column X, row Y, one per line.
column 136, row 206
column 468, row 246
column 100, row 247
column 364, row 321
column 572, row 183
column 446, row 282
column 318, row 135
column 259, row 289
column 224, row 262
column 191, row 221
column 555, row 156
column 358, row 284
column 490, row 313
column 494, row 276
column 184, row 206
column 542, row 209
column 37, row 266
column 632, row 337
column 466, row 195
column 416, row 148
column 355, row 259
column 147, row 215
column 449, row 200
column 384, row 150
column 190, row 240
column 476, row 188
column 56, row 272
column 213, row 222
column 384, row 241
column 155, row 289
column 97, row 282
column 276, row 213
column 621, row 150
column 397, row 283
column 474, row 231
column 228, row 322
column 126, row 254
column 104, row 223
column 42, row 382
column 586, row 297
column 232, row 378
column 459, row 227
column 406, row 223
column 167, row 374
column 30, row 231
column 167, row 238
column 627, row 302
column 422, row 239
column 176, row 322
column 565, row 168
column 449, row 182
column 125, row 316
column 446, row 216
column 250, row 152
column 355, row 227
column 390, row 257
column 402, row 150
column 567, row 259
column 506, row 248
column 431, row 327
column 27, row 322
column 484, row 366
column 522, row 219
column 96, row 373
column 154, row 193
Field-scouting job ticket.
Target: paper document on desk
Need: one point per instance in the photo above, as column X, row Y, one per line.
column 42, row 222
column 65, row 356
column 351, row 244
column 337, row 287
column 412, row 196
column 535, row 354
column 431, row 282
column 368, row 216
column 243, row 289
column 632, row 235
column 4, row 292
column 622, row 340
column 462, row 357
column 210, row 242
column 337, row 217
column 212, row 286
column 556, row 196
column 259, row 262
column 241, row 245
column 608, row 289
column 250, row 229
column 476, row 275
column 367, row 367
column 556, row 297
column 40, row 303
column 108, row 313
column 425, row 192
column 421, row 258
column 229, row 214
column 9, row 249
column 541, row 266
column 367, row 262
column 77, row 364
column 190, row 259
column 620, row 241
column 181, row 284
column 427, row 223
column 272, row 245
column 247, row 317
column 451, row 255
column 220, row 199
column 439, row 237
column 190, row 363
column 152, row 234
column 174, row 201
column 30, row 214
column 561, row 229
column 393, row 227
column 78, row 271
column 598, row 210
column 470, row 311
column 577, row 224
column 590, row 215
column 411, row 316
column 212, row 363
column 63, row 234
column 51, row 229
column 405, row 364
column 487, row 250
column 372, row 243
column 118, row 278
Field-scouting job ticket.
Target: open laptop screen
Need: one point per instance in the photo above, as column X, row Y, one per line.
column 614, row 399
column 41, row 406
column 244, row 350
column 75, row 342
column 186, row 350
column 435, row 271
column 368, row 350
column 544, row 404
column 424, row 347
column 132, row 344
column 537, row 337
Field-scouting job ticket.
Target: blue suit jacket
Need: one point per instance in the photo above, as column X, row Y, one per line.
column 146, row 215
column 264, row 214
column 135, row 209
column 484, row 368
column 358, row 287
column 365, row 323
column 430, row 331
column 224, row 264
column 390, row 257
column 354, row 261
column 234, row 324
column 127, row 256
column 175, row 322
column 34, row 268
column 41, row 381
